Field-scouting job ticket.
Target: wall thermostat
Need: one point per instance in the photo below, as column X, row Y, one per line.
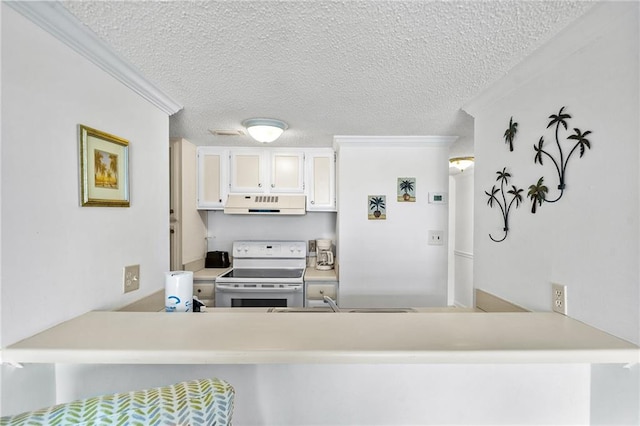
column 437, row 197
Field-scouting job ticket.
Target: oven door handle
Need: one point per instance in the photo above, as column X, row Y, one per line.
column 231, row 288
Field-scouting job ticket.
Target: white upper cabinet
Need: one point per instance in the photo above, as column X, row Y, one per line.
column 224, row 170
column 287, row 171
column 321, row 180
column 248, row 171
column 213, row 177
column 267, row 170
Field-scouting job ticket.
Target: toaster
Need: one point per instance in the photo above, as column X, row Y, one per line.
column 217, row 259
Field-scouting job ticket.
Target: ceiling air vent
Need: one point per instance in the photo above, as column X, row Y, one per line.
column 226, row 132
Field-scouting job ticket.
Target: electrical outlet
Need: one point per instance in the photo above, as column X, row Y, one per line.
column 131, row 278
column 436, row 238
column 559, row 298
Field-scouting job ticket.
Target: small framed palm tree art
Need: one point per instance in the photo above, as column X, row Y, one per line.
column 377, row 207
column 104, row 169
column 406, row 189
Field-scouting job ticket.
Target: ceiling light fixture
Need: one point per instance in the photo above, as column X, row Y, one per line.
column 265, row 129
column 461, row 163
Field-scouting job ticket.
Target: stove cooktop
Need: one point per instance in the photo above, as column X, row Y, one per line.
column 262, row 273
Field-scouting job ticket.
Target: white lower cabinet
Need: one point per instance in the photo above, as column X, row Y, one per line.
column 205, row 292
column 316, row 290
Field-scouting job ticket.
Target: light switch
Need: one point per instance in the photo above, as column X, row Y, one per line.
column 436, row 238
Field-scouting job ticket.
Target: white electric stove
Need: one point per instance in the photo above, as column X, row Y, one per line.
column 264, row 274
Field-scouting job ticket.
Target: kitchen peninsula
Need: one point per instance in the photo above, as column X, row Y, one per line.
column 255, row 337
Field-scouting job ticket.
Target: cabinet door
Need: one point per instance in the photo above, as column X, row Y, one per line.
column 287, row 172
column 247, row 171
column 212, row 177
column 321, row 180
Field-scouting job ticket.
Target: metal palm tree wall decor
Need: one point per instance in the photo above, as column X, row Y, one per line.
column 559, row 119
column 537, row 192
column 510, row 133
column 516, row 197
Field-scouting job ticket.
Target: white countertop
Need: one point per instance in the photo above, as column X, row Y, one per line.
column 209, row 274
column 251, row 337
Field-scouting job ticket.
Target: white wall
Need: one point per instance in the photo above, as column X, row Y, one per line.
column 589, row 240
column 373, row 394
column 60, row 260
column 380, row 259
column 223, row 229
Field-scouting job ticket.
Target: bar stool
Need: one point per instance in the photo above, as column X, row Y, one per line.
column 197, row 402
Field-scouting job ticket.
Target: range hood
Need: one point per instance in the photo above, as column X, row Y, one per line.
column 275, row 204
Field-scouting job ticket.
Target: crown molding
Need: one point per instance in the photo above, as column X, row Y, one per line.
column 597, row 21
column 54, row 18
column 393, row 141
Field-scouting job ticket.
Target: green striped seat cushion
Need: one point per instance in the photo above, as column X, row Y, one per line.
column 198, row 402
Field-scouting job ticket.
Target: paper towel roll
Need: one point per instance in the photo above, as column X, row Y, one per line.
column 178, row 291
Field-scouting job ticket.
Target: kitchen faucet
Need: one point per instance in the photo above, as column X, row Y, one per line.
column 332, row 303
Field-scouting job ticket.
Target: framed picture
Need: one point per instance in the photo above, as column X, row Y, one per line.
column 377, row 207
column 406, row 189
column 104, row 169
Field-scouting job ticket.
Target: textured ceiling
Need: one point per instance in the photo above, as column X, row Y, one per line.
column 325, row 67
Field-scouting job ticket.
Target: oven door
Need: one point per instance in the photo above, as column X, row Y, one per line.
column 258, row 295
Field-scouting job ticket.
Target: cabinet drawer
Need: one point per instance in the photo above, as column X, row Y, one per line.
column 318, row 291
column 204, row 291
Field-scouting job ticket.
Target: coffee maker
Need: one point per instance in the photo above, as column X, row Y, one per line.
column 324, row 255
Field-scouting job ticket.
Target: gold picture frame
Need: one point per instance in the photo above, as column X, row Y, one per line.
column 104, row 169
